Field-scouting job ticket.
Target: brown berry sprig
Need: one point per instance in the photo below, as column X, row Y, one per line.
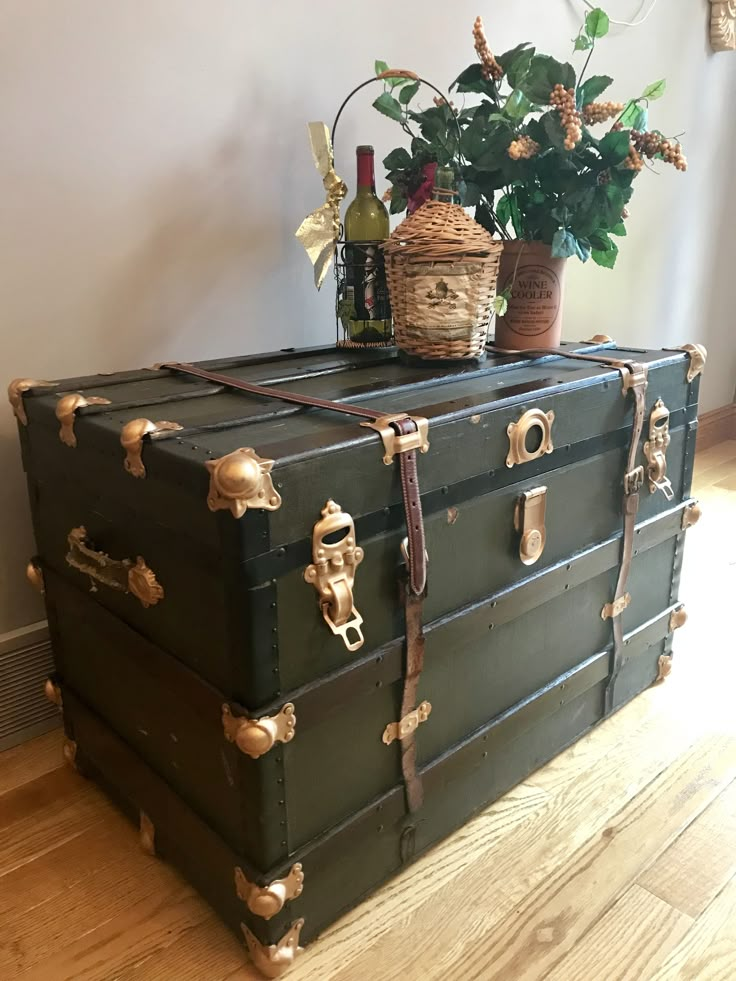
column 523, row 148
column 441, row 101
column 599, row 112
column 490, row 68
column 634, row 161
column 564, row 102
column 650, row 144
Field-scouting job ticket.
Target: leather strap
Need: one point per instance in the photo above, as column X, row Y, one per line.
column 413, row 608
column 633, row 479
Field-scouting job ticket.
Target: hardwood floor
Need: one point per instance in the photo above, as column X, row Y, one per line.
column 615, row 862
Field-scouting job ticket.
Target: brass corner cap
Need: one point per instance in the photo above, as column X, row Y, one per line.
column 277, row 958
column 17, row 388
column 698, row 356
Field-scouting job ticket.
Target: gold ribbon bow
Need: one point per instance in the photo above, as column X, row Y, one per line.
column 320, row 231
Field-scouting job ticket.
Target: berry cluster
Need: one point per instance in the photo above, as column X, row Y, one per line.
column 523, row 148
column 490, row 68
column 440, row 101
column 564, row 102
column 634, row 161
column 650, row 144
column 599, row 112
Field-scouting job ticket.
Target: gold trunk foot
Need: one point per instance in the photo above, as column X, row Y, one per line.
column 273, row 961
column 665, row 668
column 147, row 834
column 53, row 692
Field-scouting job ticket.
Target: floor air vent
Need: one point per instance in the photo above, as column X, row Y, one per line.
column 25, row 664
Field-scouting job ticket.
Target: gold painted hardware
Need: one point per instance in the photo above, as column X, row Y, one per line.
column 132, row 437
column 529, row 515
column 242, row 480
column 655, row 450
column 629, row 378
column 122, row 575
column 393, row 443
column 532, row 419
column 16, row 390
column 267, row 901
column 147, row 834
column 65, row 409
column 698, row 356
column 678, row 618
column 254, row 737
column 407, row 725
column 52, row 691
column 69, row 752
column 332, row 573
column 34, row 575
column 616, row 608
column 664, row 668
column 691, row 515
column 275, row 959
column 600, row 339
column 633, row 480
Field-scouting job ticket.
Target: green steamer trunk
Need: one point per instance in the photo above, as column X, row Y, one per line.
column 201, row 682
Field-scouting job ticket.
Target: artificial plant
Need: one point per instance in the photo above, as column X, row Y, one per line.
column 526, row 154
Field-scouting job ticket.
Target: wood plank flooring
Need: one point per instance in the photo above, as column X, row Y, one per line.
column 615, row 862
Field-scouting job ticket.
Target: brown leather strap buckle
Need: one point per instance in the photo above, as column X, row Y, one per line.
column 395, row 442
column 633, row 480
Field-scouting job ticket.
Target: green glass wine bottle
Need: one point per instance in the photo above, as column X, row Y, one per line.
column 367, row 312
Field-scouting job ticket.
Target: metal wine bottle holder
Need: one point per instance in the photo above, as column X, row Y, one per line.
column 346, row 270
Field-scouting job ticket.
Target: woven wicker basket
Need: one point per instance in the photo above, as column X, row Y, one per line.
column 441, row 268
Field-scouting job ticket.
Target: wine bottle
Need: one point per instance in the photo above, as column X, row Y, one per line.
column 365, row 305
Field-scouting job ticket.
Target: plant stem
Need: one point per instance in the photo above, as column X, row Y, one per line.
column 585, row 66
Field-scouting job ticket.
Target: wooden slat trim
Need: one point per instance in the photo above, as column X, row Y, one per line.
column 716, row 426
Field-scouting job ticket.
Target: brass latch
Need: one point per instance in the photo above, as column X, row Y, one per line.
column 534, row 422
column 616, row 608
column 267, row 901
column 332, row 573
column 407, row 725
column 655, row 450
column 529, row 515
column 394, row 443
column 254, row 737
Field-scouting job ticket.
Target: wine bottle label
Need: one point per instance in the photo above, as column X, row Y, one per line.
column 365, row 281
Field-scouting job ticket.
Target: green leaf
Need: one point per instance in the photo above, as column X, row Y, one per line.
column 408, row 92
column 503, row 209
column 619, row 229
column 386, row 104
column 543, row 74
column 582, row 249
column 611, row 201
column 471, row 195
column 398, row 159
column 381, row 67
column 590, row 90
column 500, row 305
column 563, row 244
column 517, row 105
column 553, row 129
column 634, row 116
column 614, row 147
column 606, row 259
column 471, row 80
column 655, row 90
column 597, row 23
column 398, row 201
column 515, row 62
column 583, row 42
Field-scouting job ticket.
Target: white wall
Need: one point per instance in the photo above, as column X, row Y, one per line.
column 154, row 165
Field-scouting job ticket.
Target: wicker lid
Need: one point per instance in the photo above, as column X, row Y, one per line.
column 440, row 230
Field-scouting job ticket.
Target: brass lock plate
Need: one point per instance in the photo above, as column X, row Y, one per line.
column 655, row 450
column 522, row 434
column 529, row 521
column 332, row 573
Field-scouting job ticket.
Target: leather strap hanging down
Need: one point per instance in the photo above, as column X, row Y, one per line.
column 415, row 551
column 633, row 480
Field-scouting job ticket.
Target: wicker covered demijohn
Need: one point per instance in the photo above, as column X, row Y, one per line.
column 441, row 268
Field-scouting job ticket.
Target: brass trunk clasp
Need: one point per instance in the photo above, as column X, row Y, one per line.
column 407, row 725
column 254, row 737
column 267, row 901
column 533, row 421
column 393, row 442
column 332, row 573
column 655, row 450
column 529, row 516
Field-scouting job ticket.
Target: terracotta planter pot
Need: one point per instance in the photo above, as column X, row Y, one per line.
column 534, row 315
